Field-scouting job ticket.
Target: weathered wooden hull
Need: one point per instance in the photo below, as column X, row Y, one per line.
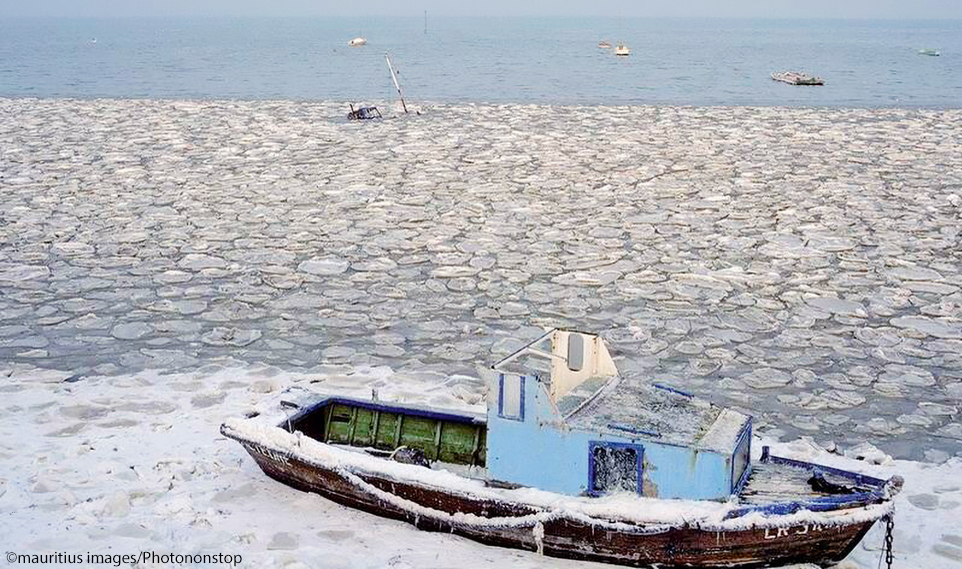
column 568, row 537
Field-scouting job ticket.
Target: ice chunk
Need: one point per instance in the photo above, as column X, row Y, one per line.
column 323, row 266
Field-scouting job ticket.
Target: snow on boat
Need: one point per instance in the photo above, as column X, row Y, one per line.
column 796, row 78
column 572, row 460
column 356, row 42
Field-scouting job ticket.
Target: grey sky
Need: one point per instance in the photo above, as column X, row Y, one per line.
column 898, row 9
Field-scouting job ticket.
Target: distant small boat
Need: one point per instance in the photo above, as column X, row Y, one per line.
column 929, row 51
column 622, row 49
column 604, row 45
column 796, row 78
column 356, row 42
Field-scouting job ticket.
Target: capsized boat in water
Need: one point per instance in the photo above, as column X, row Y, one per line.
column 571, row 459
column 797, row 78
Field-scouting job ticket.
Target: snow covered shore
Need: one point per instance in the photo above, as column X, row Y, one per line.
column 129, row 463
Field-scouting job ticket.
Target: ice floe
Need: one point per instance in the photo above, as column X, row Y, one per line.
column 716, row 257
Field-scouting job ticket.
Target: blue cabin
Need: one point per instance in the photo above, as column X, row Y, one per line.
column 561, row 418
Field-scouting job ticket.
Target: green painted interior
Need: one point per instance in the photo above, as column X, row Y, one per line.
column 443, row 440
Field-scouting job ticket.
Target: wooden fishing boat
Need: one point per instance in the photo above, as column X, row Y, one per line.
column 571, row 460
column 796, row 78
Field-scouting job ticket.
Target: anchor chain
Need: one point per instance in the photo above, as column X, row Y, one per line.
column 889, row 528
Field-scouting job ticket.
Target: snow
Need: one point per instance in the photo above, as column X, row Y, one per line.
column 129, row 463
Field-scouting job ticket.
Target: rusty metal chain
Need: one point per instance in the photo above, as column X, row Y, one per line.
column 889, row 529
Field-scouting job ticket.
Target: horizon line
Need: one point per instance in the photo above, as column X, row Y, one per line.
column 420, row 15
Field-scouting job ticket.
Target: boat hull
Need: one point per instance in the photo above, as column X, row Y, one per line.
column 564, row 536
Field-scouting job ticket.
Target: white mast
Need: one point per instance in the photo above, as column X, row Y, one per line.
column 396, row 85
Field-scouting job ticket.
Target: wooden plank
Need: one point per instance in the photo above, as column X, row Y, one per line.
column 387, row 428
column 437, row 440
column 419, row 433
column 339, row 424
column 476, row 447
column 353, row 427
column 397, row 431
column 362, row 427
column 377, row 420
column 327, row 423
column 483, row 452
column 459, row 443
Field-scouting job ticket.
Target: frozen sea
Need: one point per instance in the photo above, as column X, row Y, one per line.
column 518, row 60
column 189, row 225
column 802, row 264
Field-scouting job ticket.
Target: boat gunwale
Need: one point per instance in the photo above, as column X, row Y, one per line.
column 415, row 410
column 771, row 515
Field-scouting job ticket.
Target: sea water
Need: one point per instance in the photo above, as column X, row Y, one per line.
column 527, row 60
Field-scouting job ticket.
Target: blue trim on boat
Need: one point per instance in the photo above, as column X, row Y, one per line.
column 520, row 416
column 673, row 390
column 500, row 395
column 640, row 466
column 633, row 430
column 825, row 504
column 745, row 432
column 859, row 479
column 373, row 406
column 821, row 504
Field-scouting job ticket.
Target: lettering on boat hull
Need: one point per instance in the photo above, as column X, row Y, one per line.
column 779, row 533
column 267, row 453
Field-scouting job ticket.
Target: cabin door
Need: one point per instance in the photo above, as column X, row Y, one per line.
column 615, row 467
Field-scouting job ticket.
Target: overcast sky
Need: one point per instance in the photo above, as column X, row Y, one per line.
column 898, row 9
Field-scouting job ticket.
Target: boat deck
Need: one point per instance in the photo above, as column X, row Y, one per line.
column 781, row 481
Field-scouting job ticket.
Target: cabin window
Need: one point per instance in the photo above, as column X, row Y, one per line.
column 576, row 352
column 614, row 467
column 511, row 397
column 741, row 458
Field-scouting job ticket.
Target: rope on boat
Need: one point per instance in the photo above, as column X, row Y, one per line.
column 534, row 521
column 538, row 532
